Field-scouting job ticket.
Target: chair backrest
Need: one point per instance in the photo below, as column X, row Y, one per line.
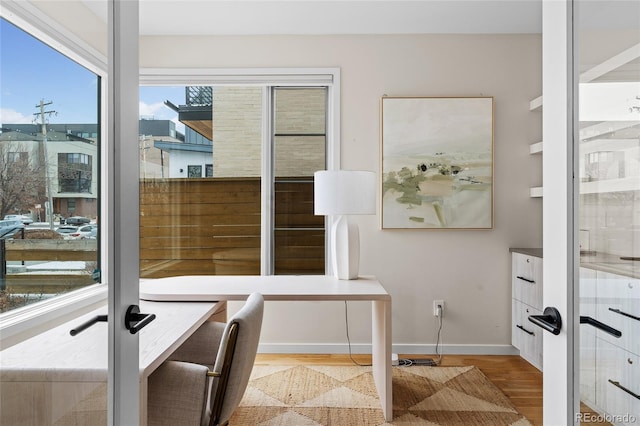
column 236, row 355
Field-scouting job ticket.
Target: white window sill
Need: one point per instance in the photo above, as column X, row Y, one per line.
column 20, row 324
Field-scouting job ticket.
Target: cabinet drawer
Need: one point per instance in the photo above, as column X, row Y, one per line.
column 525, row 336
column 618, row 305
column 527, row 279
column 618, row 383
column 588, row 366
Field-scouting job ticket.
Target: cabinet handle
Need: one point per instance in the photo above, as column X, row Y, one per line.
column 526, row 279
column 531, row 333
column 618, row 385
column 618, row 311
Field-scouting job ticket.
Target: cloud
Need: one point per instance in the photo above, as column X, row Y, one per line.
column 158, row 110
column 9, row 116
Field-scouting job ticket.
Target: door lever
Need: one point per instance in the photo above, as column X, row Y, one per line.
column 549, row 320
column 600, row 325
column 134, row 321
column 87, row 324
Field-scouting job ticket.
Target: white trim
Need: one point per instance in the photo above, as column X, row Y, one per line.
column 239, row 76
column 559, row 235
column 19, row 324
column 35, row 22
column 365, row 348
column 266, row 188
column 333, row 157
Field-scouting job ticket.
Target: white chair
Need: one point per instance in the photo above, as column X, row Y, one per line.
column 204, row 380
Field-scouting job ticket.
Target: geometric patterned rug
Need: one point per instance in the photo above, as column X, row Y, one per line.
column 312, row 395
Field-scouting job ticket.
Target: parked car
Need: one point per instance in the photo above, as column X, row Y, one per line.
column 9, row 227
column 82, row 232
column 77, row 220
column 66, row 231
column 24, row 218
column 93, row 235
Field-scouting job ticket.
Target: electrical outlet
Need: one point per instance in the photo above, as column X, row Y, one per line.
column 438, row 307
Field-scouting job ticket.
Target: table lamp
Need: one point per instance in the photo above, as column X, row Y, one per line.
column 344, row 193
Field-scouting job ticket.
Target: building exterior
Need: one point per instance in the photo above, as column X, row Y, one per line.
column 72, row 168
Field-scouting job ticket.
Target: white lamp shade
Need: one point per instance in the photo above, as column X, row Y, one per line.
column 342, row 192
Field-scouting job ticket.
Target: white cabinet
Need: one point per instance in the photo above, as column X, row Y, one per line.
column 610, row 365
column 588, row 360
column 617, row 383
column 526, row 291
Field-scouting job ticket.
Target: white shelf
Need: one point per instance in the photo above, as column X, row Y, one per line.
column 535, row 192
column 536, row 104
column 535, row 148
column 631, row 183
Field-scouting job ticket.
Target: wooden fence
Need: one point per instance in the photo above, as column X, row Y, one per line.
column 211, row 226
column 54, row 280
column 205, row 226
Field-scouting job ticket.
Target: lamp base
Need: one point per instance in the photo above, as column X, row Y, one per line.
column 346, row 248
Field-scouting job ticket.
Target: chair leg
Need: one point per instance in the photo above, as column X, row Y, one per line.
column 221, row 388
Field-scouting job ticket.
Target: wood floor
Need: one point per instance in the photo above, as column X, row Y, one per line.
column 517, row 379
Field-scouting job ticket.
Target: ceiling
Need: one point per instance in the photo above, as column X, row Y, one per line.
column 261, row 17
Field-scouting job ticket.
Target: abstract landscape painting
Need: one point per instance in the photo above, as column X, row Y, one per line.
column 437, row 162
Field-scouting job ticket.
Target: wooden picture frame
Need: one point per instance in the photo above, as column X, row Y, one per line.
column 437, row 162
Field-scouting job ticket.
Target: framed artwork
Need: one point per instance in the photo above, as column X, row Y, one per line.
column 437, row 162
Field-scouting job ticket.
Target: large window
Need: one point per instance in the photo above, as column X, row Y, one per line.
column 251, row 211
column 49, row 153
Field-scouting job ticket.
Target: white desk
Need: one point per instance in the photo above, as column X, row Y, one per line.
column 293, row 288
column 44, row 377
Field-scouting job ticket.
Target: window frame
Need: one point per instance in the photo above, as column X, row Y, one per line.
column 21, row 323
column 267, row 78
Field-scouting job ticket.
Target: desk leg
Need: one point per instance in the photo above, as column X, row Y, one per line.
column 143, row 401
column 381, row 339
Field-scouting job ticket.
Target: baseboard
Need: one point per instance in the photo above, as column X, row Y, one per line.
column 313, row 348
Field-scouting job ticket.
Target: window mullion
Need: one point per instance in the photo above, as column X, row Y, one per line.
column 267, row 212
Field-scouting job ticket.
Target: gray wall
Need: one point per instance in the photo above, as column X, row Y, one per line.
column 470, row 270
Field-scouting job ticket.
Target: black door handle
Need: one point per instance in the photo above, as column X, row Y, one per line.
column 87, row 324
column 600, row 325
column 134, row 321
column 549, row 320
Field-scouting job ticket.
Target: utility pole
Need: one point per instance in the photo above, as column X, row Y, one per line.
column 43, row 114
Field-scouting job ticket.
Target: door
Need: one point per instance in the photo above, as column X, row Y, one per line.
column 123, row 210
column 608, row 210
column 591, row 211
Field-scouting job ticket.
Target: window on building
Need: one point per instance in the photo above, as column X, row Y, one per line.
column 74, row 172
column 194, row 171
column 252, row 213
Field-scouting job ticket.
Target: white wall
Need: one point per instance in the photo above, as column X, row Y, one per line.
column 181, row 160
column 470, row 270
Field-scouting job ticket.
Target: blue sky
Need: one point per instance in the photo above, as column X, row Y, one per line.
column 31, row 71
